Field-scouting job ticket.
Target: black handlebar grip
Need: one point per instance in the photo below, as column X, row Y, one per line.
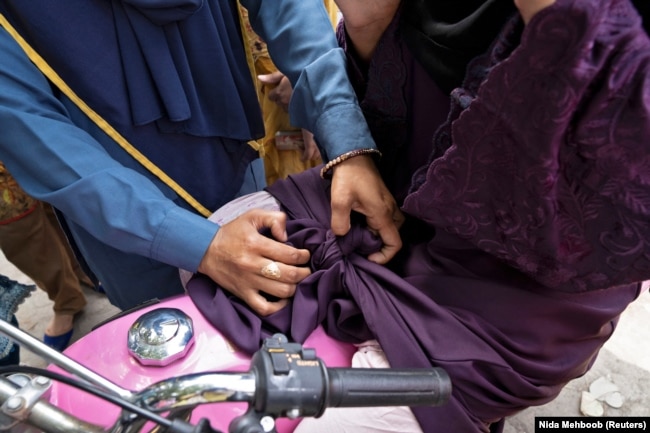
column 365, row 387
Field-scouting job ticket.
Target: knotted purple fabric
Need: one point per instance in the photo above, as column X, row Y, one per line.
column 505, row 341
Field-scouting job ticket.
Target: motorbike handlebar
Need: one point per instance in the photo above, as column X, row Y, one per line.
column 285, row 380
column 365, row 387
column 292, row 382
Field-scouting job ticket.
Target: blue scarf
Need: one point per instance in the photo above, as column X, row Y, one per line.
column 181, row 62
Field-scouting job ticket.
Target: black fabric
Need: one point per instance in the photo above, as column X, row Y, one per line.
column 643, row 7
column 444, row 35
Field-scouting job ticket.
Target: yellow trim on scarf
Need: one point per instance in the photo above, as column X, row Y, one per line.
column 258, row 145
column 42, row 65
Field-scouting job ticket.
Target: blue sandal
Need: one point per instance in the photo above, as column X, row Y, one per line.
column 59, row 342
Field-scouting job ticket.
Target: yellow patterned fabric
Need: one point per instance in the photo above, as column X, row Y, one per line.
column 14, row 202
column 278, row 164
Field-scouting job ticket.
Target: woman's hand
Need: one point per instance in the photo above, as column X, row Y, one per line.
column 280, row 93
column 357, row 186
column 238, row 255
column 310, row 152
column 280, row 86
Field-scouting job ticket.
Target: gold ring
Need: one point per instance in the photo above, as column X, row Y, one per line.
column 272, row 270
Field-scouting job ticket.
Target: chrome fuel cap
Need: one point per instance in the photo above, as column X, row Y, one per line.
column 161, row 336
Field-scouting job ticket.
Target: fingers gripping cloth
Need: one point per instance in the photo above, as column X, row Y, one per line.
column 12, row 294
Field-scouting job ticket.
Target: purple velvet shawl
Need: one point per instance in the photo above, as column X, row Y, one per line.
column 528, row 271
column 546, row 157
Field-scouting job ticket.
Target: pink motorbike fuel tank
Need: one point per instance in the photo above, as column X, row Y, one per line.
column 106, row 351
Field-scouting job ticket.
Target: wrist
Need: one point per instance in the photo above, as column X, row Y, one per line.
column 327, row 171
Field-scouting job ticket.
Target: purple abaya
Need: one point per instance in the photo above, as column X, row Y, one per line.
column 527, row 271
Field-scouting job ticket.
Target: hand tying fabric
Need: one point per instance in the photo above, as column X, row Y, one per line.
column 357, row 186
column 240, row 260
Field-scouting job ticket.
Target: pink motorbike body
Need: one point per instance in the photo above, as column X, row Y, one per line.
column 104, row 351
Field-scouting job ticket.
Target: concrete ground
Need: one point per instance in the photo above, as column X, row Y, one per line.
column 624, row 363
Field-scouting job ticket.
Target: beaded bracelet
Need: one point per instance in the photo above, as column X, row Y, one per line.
column 326, row 172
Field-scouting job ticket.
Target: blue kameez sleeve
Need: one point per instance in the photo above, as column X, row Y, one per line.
column 303, row 46
column 59, row 163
